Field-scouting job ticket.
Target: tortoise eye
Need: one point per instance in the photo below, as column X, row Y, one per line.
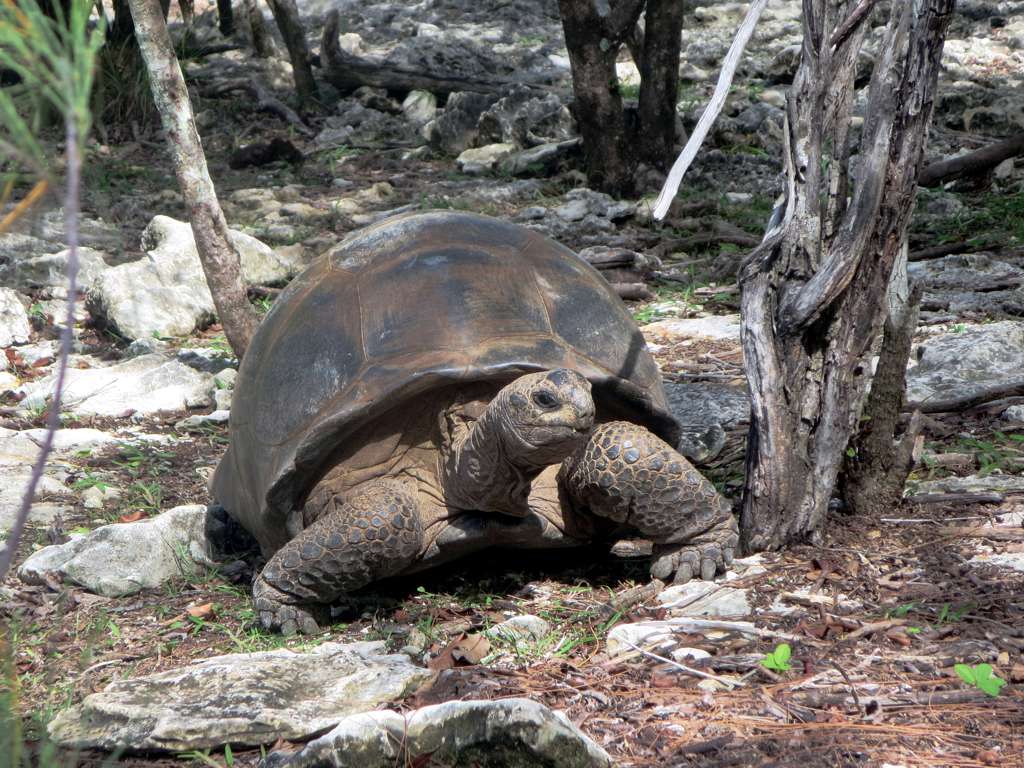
column 545, row 399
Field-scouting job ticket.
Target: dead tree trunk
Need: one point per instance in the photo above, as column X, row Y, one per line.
column 221, row 262
column 659, row 82
column 286, row 14
column 594, row 32
column 814, row 292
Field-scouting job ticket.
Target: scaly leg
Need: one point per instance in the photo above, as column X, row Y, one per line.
column 368, row 535
column 629, row 475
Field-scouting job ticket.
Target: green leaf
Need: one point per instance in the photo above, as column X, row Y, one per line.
column 783, row 652
column 966, row 674
column 991, row 685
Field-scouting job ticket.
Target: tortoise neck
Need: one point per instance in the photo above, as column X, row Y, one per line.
column 487, row 468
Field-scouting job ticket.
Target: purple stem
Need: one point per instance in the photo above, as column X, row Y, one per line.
column 74, row 163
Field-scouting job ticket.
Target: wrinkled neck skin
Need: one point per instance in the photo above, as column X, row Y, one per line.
column 489, row 468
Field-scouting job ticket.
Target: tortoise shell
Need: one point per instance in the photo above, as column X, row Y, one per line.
column 410, row 304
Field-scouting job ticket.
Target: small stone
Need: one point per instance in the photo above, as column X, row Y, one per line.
column 146, row 346
column 480, row 160
column 203, row 420
column 93, row 497
column 689, row 654
column 14, row 325
column 724, row 327
column 124, row 558
column 521, row 627
column 773, row 98
column 420, row 107
column 225, row 379
column 705, row 599
column 222, row 399
column 1011, row 560
column 739, row 197
column 1014, row 413
column 417, row 641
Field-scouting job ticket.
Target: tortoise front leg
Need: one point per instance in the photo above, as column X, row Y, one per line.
column 629, row 475
column 364, row 536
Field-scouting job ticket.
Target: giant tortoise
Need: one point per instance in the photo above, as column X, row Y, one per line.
column 443, row 382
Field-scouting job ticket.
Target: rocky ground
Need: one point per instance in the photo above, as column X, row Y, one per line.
column 876, row 615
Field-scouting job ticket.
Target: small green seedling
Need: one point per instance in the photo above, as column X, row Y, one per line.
column 980, row 675
column 778, row 660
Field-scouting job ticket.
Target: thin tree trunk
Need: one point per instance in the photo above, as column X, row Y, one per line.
column 814, row 294
column 659, row 82
column 286, row 14
column 188, row 12
column 262, row 43
column 225, row 18
column 221, row 262
column 593, row 40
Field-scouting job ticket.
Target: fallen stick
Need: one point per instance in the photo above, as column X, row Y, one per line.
column 347, row 72
column 983, row 497
column 972, row 164
column 963, row 402
column 711, row 112
column 728, row 682
column 981, row 532
column 622, row 602
column 951, row 249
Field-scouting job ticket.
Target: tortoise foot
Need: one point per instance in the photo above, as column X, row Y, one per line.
column 627, row 474
column 355, row 540
column 705, row 557
column 278, row 613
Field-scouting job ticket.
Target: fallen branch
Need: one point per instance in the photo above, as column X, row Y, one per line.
column 624, row 601
column 988, row 497
column 972, row 164
column 728, row 682
column 711, row 112
column 264, row 100
column 962, row 402
column 983, row 532
column 951, row 249
column 347, row 72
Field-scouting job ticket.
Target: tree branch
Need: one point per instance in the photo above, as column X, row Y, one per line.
column 711, row 112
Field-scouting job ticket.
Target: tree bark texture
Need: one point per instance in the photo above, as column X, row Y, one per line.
column 814, row 292
column 286, row 14
column 221, row 262
column 259, row 35
column 659, row 82
column 877, row 463
column 594, row 32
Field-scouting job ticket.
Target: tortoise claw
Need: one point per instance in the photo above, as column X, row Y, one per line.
column 277, row 614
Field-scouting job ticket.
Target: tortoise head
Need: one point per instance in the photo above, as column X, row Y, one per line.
column 545, row 416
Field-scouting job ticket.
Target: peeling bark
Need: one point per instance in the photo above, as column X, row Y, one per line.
column 221, row 262
column 814, row 292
